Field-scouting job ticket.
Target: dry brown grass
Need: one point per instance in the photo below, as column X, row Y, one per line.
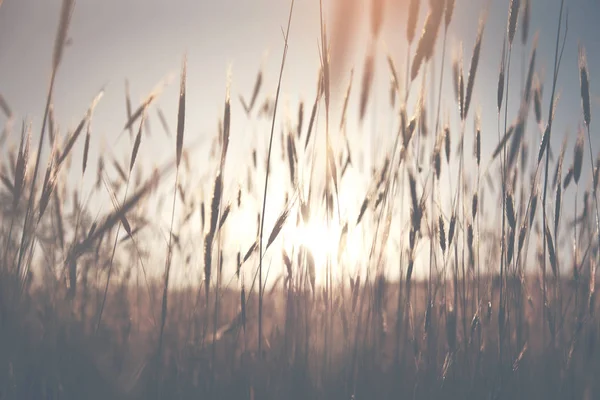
column 462, row 307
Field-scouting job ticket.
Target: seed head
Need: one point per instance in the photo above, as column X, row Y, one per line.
column 578, row 157
column 451, row 229
column 411, row 26
column 501, row 77
column 449, row 11
column 447, row 143
column 181, row 112
column 442, row 235
column 526, row 17
column 513, row 16
column 510, row 211
column 585, row 86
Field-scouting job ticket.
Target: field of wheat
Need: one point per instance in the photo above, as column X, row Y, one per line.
column 442, row 272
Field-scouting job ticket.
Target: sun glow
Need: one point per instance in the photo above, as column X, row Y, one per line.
column 322, row 239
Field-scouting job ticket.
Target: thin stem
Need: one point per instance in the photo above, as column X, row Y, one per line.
column 503, row 236
column 112, row 257
column 163, row 317
column 264, row 205
column 555, row 78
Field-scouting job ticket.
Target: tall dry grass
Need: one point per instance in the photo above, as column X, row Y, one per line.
column 501, row 310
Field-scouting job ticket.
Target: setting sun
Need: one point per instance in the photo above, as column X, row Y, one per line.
column 322, row 239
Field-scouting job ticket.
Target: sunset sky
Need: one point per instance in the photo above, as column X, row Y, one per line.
column 145, row 40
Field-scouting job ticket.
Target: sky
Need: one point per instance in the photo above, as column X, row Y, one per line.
column 143, row 41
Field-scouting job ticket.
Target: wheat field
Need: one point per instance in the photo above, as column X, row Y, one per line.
column 458, row 263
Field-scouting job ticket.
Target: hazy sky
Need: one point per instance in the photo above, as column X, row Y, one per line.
column 144, row 40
